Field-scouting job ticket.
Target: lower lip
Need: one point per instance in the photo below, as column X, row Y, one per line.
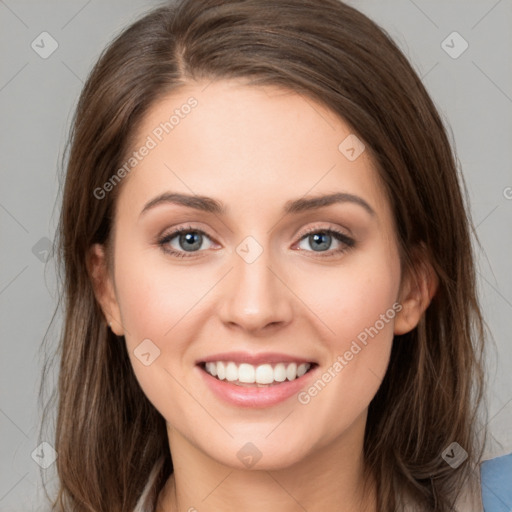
column 242, row 396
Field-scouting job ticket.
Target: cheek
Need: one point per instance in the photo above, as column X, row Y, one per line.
column 155, row 303
column 352, row 298
column 155, row 298
column 359, row 313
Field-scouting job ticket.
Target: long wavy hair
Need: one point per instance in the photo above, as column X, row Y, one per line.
column 108, row 435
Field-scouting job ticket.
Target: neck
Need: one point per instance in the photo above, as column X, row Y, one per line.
column 329, row 480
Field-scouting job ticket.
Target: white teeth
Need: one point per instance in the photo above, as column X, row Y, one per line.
column 250, row 374
column 211, row 368
column 231, row 372
column 264, row 374
column 291, row 371
column 301, row 370
column 221, row 371
column 246, row 373
column 280, row 372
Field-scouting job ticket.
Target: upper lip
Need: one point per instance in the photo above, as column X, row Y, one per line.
column 254, row 359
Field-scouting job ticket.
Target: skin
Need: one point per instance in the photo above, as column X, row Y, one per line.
column 254, row 149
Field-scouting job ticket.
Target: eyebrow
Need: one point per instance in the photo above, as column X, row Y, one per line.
column 210, row 205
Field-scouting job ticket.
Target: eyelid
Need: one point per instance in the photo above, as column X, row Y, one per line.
column 324, row 227
column 168, row 235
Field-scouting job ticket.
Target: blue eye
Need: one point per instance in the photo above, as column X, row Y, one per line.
column 322, row 239
column 188, row 238
column 191, row 241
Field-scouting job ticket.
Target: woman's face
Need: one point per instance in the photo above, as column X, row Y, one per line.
column 256, row 281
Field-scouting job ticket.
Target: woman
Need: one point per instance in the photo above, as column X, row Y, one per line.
column 268, row 273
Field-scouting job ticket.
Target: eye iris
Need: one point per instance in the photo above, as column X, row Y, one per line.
column 193, row 240
column 319, row 237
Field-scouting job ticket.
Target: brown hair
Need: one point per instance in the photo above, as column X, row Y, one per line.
column 108, row 435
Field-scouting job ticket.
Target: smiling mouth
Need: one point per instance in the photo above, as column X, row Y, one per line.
column 263, row 375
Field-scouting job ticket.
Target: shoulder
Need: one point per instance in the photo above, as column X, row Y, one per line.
column 491, row 488
column 496, row 483
column 488, row 488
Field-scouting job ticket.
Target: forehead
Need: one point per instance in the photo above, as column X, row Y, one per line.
column 250, row 144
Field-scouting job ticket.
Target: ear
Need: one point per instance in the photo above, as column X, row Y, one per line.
column 103, row 286
column 418, row 286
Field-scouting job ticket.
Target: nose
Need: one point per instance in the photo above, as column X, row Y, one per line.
column 255, row 297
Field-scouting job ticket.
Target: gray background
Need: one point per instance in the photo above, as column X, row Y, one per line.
column 37, row 96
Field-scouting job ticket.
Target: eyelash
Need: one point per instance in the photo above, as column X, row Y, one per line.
column 338, row 235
